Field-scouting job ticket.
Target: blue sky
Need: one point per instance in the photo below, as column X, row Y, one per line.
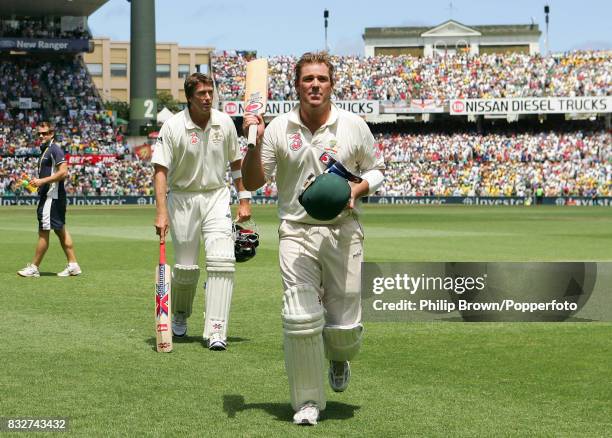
column 290, row 28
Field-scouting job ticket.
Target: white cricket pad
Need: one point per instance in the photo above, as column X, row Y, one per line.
column 220, row 263
column 184, row 285
column 303, row 323
column 342, row 342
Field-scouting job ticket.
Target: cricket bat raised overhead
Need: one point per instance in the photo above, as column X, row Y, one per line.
column 256, row 93
column 163, row 320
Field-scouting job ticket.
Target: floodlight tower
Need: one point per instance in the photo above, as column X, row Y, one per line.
column 546, row 11
column 325, row 17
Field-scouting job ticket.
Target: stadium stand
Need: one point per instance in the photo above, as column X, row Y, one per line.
column 395, row 78
column 434, row 159
column 425, row 161
column 39, row 27
column 572, row 163
column 61, row 90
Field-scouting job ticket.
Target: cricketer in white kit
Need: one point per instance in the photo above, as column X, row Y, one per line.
column 320, row 261
column 193, row 201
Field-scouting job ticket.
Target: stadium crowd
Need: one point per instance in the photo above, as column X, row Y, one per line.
column 39, row 27
column 563, row 163
column 62, row 91
column 397, row 78
column 120, row 178
column 421, row 160
column 577, row 163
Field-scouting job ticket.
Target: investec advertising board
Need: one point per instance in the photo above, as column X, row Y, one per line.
column 234, row 108
column 533, row 105
column 393, row 200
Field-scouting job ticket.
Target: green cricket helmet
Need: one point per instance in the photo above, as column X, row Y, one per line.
column 326, row 196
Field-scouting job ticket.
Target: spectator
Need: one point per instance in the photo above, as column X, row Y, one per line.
column 397, row 78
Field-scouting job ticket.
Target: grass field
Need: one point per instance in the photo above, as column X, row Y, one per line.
column 83, row 347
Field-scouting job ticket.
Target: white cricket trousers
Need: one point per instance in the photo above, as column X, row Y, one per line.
column 205, row 215
column 329, row 258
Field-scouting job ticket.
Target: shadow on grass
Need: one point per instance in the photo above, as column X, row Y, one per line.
column 195, row 339
column 42, row 274
column 48, row 274
column 233, row 404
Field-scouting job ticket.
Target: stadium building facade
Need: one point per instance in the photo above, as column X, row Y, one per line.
column 109, row 65
column 452, row 37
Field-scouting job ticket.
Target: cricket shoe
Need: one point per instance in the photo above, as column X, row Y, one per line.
column 29, row 271
column 339, row 375
column 307, row 415
column 215, row 343
column 70, row 271
column 179, row 325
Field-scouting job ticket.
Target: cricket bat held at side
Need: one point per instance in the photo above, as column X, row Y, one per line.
column 163, row 319
column 256, row 93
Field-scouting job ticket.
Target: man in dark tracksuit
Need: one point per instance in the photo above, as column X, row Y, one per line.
column 52, row 170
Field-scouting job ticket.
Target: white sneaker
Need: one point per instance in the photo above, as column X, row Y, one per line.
column 307, row 415
column 71, row 270
column 339, row 375
column 179, row 324
column 215, row 343
column 29, row 271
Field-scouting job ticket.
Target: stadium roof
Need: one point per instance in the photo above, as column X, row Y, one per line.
column 33, row 8
column 489, row 30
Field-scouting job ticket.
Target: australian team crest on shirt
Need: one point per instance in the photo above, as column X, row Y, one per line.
column 332, row 147
column 216, row 136
column 295, row 141
column 194, row 138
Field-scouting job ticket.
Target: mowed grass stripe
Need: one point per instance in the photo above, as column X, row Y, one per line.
column 83, row 347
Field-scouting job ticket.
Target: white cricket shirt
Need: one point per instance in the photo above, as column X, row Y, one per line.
column 196, row 159
column 295, row 153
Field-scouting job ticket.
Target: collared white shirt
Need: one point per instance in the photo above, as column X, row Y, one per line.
column 196, row 159
column 290, row 149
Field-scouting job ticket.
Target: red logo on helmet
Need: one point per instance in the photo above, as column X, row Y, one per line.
column 295, row 141
column 326, row 159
